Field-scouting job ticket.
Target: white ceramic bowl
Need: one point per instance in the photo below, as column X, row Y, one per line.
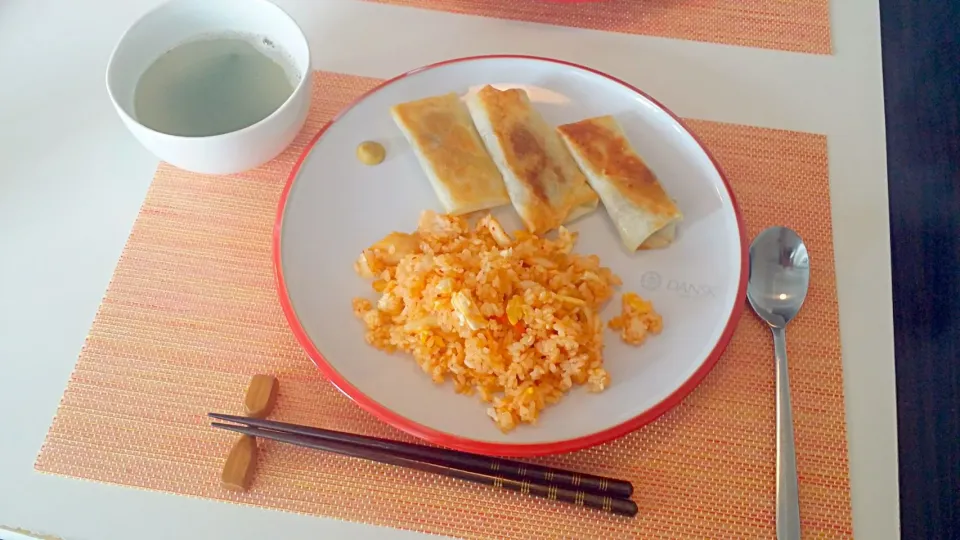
column 334, row 206
column 180, row 21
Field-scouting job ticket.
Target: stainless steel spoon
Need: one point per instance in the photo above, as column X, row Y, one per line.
column 779, row 278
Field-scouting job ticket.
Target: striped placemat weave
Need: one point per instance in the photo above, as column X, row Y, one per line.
column 191, row 313
column 787, row 25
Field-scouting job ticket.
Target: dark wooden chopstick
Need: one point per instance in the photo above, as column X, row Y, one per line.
column 624, row 507
column 505, row 468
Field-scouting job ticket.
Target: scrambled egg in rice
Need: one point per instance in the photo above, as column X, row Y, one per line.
column 512, row 319
column 637, row 318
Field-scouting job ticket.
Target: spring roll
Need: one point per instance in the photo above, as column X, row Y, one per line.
column 645, row 216
column 451, row 153
column 543, row 181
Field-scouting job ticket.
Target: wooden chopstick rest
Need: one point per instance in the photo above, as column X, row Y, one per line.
column 261, row 396
column 241, row 463
column 239, row 467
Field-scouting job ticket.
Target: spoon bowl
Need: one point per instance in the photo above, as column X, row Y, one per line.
column 779, row 275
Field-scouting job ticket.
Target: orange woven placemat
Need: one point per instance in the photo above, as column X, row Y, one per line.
column 191, row 313
column 786, row 25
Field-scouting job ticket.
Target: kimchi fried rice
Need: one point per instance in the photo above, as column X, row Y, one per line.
column 514, row 320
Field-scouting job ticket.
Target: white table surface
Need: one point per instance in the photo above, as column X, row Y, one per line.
column 72, row 180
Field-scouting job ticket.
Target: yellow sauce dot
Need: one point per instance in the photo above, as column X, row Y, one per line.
column 371, row 153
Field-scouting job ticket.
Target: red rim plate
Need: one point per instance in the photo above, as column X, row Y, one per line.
column 489, row 448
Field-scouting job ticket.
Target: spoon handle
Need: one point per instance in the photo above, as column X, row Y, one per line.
column 788, row 498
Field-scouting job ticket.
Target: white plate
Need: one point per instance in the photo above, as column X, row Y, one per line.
column 333, row 207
